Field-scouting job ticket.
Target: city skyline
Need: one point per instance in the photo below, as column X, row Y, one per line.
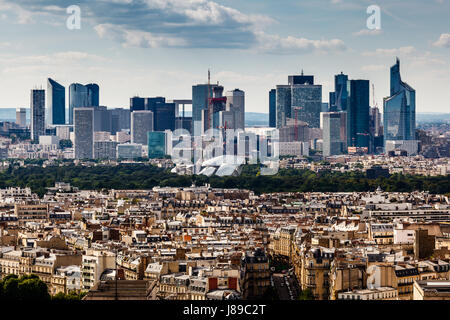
column 226, row 37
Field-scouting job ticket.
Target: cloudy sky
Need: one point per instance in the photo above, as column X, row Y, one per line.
column 163, row 47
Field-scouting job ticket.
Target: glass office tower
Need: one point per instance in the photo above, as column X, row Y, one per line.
column 340, row 92
column 56, row 97
column 163, row 116
column 283, row 101
column 399, row 109
column 37, row 114
column 299, row 98
column 78, row 98
column 200, row 105
column 93, row 95
column 137, row 104
column 273, row 108
column 235, row 103
column 358, row 109
column 306, row 104
column 156, row 145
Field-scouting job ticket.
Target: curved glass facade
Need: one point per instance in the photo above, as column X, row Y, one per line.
column 399, row 109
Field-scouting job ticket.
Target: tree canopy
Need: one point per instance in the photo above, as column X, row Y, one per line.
column 27, row 287
column 145, row 176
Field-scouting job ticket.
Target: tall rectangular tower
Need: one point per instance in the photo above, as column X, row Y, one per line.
column 273, row 108
column 236, row 104
column 141, row 124
column 21, row 117
column 300, row 99
column 334, row 133
column 200, row 106
column 78, row 98
column 37, row 114
column 84, row 133
column 358, row 132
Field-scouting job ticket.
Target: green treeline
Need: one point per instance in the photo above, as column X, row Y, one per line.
column 144, row 176
column 31, row 288
column 27, row 287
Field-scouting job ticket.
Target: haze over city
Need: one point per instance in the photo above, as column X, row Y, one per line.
column 162, row 48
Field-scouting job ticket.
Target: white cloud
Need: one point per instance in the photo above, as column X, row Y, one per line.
column 403, row 51
column 443, row 41
column 136, row 38
column 368, row 32
column 32, row 63
column 178, row 23
column 276, row 44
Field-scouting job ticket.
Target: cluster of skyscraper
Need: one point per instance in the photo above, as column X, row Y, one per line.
column 348, row 122
column 148, row 122
column 211, row 109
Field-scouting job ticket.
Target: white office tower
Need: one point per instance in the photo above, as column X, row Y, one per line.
column 141, row 123
column 63, row 132
column 294, row 148
column 236, row 104
column 105, row 149
column 84, row 133
column 334, row 133
column 48, row 140
column 102, row 136
column 247, row 146
column 37, row 113
column 21, row 117
column 168, row 142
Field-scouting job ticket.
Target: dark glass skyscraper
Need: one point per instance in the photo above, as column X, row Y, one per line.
column 56, row 97
column 120, row 119
column 300, row 79
column 93, row 95
column 78, row 98
column 200, row 105
column 82, row 96
column 399, row 109
column 150, row 103
column 102, row 119
column 301, row 99
column 164, row 116
column 306, row 104
column 339, row 98
column 37, row 114
column 358, row 108
column 273, row 108
column 137, row 104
